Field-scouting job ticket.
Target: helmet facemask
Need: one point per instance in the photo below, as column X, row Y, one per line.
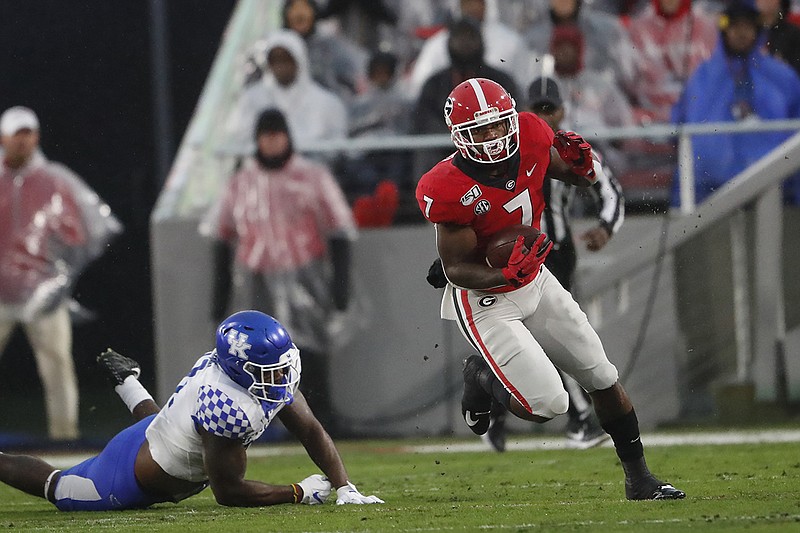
column 491, row 151
column 274, row 383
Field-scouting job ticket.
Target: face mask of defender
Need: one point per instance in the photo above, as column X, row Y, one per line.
column 275, row 383
column 493, row 150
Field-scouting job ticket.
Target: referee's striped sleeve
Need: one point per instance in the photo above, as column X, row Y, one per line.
column 608, row 191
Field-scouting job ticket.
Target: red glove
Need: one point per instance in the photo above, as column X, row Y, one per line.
column 524, row 264
column 576, row 151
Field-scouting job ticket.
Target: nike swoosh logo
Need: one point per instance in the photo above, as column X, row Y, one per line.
column 529, row 172
column 471, row 421
column 316, row 497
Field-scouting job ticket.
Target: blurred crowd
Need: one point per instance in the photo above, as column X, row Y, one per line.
column 340, row 68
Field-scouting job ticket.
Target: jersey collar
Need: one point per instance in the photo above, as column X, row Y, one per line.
column 480, row 171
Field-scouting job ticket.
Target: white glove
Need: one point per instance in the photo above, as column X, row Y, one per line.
column 316, row 489
column 349, row 494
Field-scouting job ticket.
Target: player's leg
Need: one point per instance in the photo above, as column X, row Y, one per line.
column 513, row 369
column 107, row 481
column 123, row 372
column 50, row 336
column 24, row 472
column 28, row 474
column 583, row 429
column 573, row 345
column 618, row 418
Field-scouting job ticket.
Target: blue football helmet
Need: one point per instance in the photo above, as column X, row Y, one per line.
column 255, row 350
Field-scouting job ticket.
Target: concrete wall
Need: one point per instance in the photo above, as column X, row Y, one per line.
column 399, row 373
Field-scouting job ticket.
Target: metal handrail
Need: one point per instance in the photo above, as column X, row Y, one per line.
column 416, row 142
column 768, row 172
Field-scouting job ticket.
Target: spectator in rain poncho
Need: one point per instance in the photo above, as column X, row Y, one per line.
column 51, row 226
column 592, row 99
column 312, row 112
column 607, row 45
column 671, row 38
column 504, row 49
column 781, row 37
column 740, row 82
column 381, row 111
column 337, row 63
column 282, row 229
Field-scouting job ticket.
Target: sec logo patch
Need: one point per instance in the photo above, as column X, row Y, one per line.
column 482, row 207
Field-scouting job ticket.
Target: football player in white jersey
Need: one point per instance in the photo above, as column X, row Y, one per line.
column 199, row 438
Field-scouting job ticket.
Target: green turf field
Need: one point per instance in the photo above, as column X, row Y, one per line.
column 737, row 487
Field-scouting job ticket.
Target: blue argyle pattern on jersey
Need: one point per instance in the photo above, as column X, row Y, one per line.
column 218, row 414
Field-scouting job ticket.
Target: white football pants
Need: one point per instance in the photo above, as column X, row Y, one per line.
column 525, row 334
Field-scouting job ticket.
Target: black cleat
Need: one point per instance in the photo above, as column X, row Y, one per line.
column 476, row 403
column 496, row 435
column 585, row 432
column 118, row 367
column 650, row 488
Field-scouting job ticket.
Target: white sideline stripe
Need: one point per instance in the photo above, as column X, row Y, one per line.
column 655, row 439
column 516, row 443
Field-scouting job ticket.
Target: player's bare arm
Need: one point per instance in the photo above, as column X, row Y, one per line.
column 301, row 422
column 457, row 246
column 226, row 463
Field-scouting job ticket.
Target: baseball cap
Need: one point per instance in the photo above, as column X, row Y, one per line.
column 543, row 93
column 739, row 10
column 18, row 118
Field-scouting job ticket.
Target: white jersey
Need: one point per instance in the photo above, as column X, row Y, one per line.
column 209, row 399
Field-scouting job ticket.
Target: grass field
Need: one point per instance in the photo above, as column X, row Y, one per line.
column 436, row 487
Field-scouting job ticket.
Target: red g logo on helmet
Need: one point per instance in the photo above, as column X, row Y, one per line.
column 475, row 103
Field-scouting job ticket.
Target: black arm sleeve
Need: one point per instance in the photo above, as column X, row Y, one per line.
column 221, row 282
column 340, row 258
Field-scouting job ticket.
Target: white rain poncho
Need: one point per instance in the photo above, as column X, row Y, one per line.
column 53, row 226
column 278, row 223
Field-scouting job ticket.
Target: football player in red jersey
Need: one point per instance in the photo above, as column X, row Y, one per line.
column 519, row 318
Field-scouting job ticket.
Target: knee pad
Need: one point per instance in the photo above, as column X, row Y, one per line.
column 560, row 403
column 557, row 405
column 604, row 376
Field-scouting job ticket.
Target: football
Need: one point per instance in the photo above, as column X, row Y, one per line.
column 500, row 245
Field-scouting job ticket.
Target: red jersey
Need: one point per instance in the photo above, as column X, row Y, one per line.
column 461, row 192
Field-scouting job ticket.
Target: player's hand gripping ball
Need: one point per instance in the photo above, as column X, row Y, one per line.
column 520, row 251
column 501, row 244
